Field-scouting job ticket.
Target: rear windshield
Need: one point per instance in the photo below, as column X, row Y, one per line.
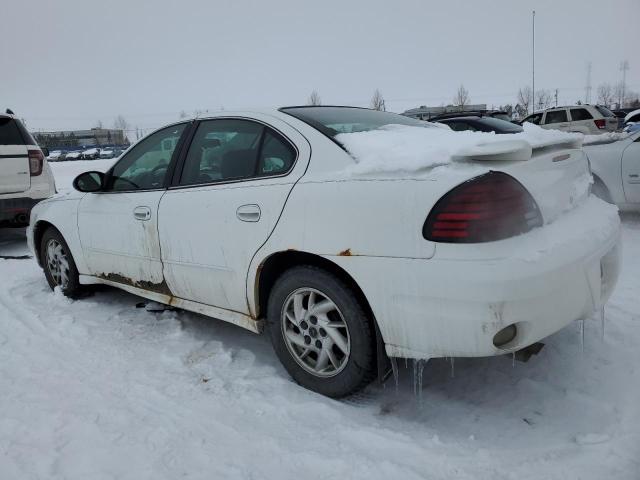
column 604, row 111
column 502, row 116
column 498, row 125
column 9, row 132
column 335, row 120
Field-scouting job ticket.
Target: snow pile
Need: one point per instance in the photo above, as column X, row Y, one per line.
column 608, row 137
column 401, row 148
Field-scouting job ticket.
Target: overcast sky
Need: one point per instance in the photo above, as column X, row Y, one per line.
column 70, row 63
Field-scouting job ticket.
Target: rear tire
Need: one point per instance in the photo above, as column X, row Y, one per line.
column 320, row 332
column 58, row 264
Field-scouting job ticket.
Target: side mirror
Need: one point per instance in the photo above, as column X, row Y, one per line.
column 89, row 182
column 45, row 151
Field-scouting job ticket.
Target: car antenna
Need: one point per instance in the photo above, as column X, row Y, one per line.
column 10, row 112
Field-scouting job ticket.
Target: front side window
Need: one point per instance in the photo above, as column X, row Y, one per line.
column 235, row 149
column 556, row 116
column 578, row 114
column 144, row 166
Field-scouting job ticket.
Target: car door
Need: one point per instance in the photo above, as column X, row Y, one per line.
column 234, row 182
column 631, row 170
column 118, row 226
column 557, row 119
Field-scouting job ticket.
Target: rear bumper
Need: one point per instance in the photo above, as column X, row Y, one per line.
column 455, row 303
column 16, row 210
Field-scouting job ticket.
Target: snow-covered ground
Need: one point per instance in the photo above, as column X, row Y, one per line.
column 99, row 389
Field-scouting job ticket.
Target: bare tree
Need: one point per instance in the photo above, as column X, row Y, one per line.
column 99, row 124
column 377, row 101
column 183, row 114
column 314, row 99
column 120, row 123
column 605, row 94
column 525, row 96
column 462, row 97
column 544, row 99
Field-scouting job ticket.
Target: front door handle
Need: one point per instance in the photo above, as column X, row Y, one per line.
column 142, row 213
column 248, row 213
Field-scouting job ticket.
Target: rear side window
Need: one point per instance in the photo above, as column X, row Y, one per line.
column 9, row 132
column 578, row 114
column 556, row 116
column 604, row 111
column 535, row 119
column 277, row 155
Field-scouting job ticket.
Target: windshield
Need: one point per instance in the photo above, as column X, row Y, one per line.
column 605, row 111
column 335, row 120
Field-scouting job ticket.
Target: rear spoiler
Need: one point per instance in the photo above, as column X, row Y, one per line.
column 512, row 150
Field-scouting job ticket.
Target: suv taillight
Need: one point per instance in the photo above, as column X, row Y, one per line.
column 600, row 123
column 36, row 161
column 490, row 207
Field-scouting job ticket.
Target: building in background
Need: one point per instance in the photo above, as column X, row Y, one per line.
column 95, row 137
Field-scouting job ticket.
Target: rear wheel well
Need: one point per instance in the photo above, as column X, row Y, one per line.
column 278, row 263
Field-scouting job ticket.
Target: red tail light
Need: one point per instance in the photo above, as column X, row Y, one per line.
column 490, row 207
column 36, row 161
column 600, row 123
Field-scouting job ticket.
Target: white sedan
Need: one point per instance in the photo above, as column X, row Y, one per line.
column 353, row 235
column 616, row 170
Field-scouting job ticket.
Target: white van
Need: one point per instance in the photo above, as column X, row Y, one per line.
column 25, row 176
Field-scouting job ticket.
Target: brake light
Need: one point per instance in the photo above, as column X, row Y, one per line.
column 600, row 123
column 490, row 207
column 36, row 160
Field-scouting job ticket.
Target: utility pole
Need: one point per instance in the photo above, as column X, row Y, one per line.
column 533, row 61
column 556, row 97
column 624, row 66
column 587, row 96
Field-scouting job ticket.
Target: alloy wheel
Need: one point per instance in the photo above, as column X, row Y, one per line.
column 315, row 332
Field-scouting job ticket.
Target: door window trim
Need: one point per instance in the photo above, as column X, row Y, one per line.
column 179, row 167
column 187, row 132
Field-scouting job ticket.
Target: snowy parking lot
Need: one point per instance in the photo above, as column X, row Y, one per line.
column 98, row 389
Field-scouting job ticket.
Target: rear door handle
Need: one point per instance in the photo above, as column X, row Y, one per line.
column 248, row 213
column 142, row 213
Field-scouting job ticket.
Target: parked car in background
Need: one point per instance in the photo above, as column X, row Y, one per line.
column 620, row 114
column 247, row 223
column 481, row 124
column 25, row 177
column 586, row 119
column 54, row 156
column 75, row 155
column 633, row 116
column 62, row 157
column 90, row 154
column 107, row 153
column 616, row 171
column 499, row 114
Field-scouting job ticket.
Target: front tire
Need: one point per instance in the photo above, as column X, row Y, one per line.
column 57, row 262
column 320, row 332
